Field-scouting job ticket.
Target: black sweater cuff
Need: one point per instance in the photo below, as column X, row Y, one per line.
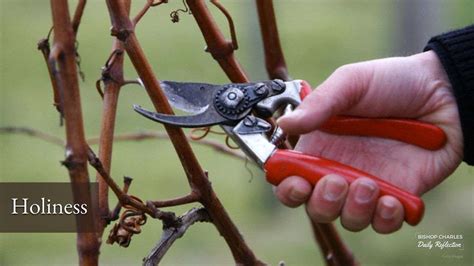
column 456, row 52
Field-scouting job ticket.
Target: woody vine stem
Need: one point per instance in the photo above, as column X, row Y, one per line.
column 62, row 63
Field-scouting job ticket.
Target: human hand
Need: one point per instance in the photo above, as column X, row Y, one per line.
column 414, row 87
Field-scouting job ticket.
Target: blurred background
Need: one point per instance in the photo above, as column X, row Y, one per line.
column 317, row 37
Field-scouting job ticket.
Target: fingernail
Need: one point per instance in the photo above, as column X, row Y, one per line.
column 297, row 195
column 365, row 191
column 333, row 189
column 388, row 211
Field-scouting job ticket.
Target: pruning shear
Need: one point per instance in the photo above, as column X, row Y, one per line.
column 239, row 108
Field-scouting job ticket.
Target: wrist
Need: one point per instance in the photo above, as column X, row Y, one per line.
column 441, row 99
column 430, row 62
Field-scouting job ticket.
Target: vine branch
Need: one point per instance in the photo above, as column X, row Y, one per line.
column 63, row 57
column 172, row 233
column 220, row 49
column 274, row 58
column 113, row 78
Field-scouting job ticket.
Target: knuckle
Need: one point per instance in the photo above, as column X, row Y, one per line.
column 351, row 82
column 350, row 72
column 345, row 70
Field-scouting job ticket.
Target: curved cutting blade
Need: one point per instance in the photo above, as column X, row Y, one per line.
column 208, row 117
column 189, row 97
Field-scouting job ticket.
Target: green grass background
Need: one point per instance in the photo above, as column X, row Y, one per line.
column 317, row 37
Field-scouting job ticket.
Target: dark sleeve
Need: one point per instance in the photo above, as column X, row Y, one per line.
column 456, row 52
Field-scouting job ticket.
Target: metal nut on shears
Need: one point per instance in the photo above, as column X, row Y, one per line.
column 250, row 121
column 252, row 124
column 261, row 89
column 278, row 85
column 232, row 97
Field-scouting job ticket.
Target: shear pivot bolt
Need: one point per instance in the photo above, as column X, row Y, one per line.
column 232, row 97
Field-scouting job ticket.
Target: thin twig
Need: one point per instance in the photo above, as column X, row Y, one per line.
column 142, row 12
column 226, row 13
column 34, row 133
column 76, row 21
column 45, row 48
column 190, row 198
column 172, row 233
column 114, row 215
column 112, row 77
column 134, row 216
column 217, row 146
column 124, row 198
column 220, row 49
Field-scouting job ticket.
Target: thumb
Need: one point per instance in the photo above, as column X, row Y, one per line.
column 337, row 94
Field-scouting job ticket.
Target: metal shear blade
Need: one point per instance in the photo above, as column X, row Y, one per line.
column 189, row 97
column 208, row 117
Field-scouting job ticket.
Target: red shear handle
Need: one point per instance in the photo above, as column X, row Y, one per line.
column 417, row 133
column 285, row 163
